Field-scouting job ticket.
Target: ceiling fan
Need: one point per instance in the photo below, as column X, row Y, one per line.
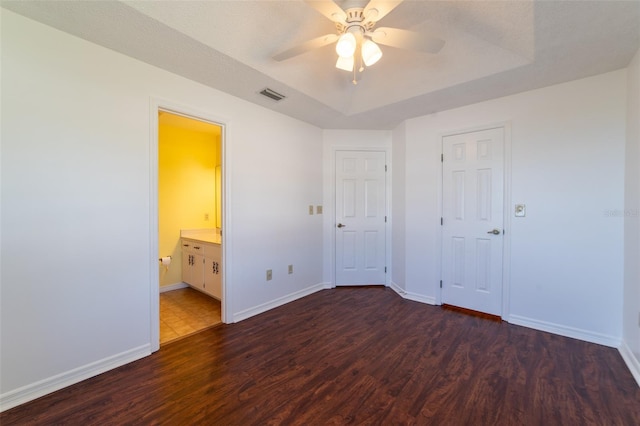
column 356, row 32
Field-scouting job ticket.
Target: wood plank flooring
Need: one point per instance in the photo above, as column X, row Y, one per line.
column 355, row 356
column 186, row 311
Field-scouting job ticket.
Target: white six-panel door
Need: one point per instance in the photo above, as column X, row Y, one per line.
column 360, row 232
column 472, row 230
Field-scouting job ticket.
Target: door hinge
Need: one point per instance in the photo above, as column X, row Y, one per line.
column 385, row 167
column 385, row 219
column 440, row 283
column 385, row 269
column 442, row 158
column 441, row 221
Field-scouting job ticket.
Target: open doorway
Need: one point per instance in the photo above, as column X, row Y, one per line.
column 187, row 176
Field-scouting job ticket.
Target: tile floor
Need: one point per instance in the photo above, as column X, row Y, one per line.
column 186, row 311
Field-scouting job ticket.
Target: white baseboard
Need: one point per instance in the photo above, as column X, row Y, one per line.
column 171, row 287
column 633, row 363
column 412, row 296
column 248, row 313
column 43, row 387
column 420, row 298
column 395, row 287
column 563, row 330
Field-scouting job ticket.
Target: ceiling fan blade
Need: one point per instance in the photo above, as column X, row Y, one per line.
column 329, row 9
column 404, row 39
column 305, row 47
column 378, row 9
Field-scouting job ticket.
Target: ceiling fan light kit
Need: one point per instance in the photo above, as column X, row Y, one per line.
column 371, row 53
column 355, row 34
column 345, row 63
column 346, row 45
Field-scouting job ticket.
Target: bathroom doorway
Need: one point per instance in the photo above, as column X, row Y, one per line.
column 188, row 177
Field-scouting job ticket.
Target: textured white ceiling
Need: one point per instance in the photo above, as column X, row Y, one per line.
column 493, row 48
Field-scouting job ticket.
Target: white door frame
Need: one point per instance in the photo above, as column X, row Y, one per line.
column 506, row 248
column 157, row 104
column 330, row 203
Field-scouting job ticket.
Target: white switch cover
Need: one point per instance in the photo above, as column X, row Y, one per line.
column 521, row 210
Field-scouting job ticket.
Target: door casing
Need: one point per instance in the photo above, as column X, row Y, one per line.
column 156, row 105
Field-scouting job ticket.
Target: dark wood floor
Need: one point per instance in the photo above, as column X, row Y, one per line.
column 356, row 356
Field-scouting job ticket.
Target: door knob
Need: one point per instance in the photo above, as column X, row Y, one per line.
column 494, row 232
column 341, row 225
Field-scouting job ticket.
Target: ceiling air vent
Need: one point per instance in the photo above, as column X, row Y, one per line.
column 272, row 94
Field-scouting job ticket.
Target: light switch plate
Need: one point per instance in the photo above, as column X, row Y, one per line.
column 521, row 210
column 310, row 209
column 318, row 209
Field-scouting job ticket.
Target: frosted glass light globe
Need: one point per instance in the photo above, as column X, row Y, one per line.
column 345, row 63
column 346, row 45
column 371, row 53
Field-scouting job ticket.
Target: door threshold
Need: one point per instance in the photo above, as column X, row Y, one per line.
column 472, row 312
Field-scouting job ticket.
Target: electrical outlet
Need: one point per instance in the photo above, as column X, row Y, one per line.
column 291, row 269
column 269, row 274
column 318, row 209
column 310, row 209
column 206, row 216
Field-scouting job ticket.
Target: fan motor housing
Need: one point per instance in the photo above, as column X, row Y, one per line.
column 354, row 15
column 355, row 19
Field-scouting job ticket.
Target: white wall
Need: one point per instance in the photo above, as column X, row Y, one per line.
column 346, row 139
column 631, row 316
column 568, row 168
column 75, row 277
column 398, row 212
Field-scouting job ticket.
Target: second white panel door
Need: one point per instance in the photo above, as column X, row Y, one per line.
column 360, row 217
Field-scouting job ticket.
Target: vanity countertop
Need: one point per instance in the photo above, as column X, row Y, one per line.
column 204, row 235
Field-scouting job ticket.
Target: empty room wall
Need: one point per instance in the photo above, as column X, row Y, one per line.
column 631, row 317
column 76, row 166
column 568, row 168
column 398, row 213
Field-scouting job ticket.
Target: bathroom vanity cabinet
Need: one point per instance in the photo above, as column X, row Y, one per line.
column 202, row 266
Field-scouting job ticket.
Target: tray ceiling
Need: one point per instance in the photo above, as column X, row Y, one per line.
column 492, row 49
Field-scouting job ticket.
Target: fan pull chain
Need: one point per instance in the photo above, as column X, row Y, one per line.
column 355, row 80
